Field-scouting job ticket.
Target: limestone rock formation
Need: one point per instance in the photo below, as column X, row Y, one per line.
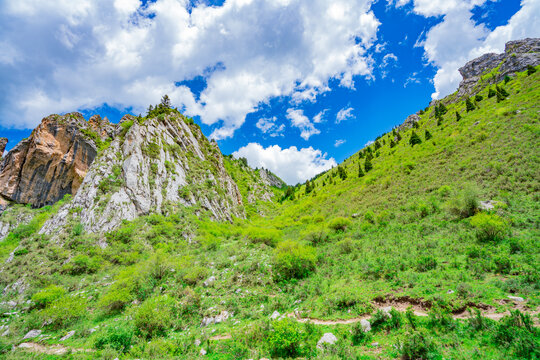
column 152, row 165
column 517, row 56
column 53, row 161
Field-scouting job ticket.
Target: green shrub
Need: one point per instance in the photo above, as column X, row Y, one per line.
column 65, row 310
column 415, row 139
column 469, row 105
column 369, row 216
column 49, row 294
column 418, row 346
column 464, row 203
column 195, row 274
column 530, row 69
column 491, row 93
column 293, row 261
column 285, row 339
column 359, row 336
column 81, row 264
column 425, row 263
column 317, row 237
column 489, row 227
column 382, row 320
column 516, row 332
column 116, row 336
column 478, row 98
column 339, row 224
column 155, row 316
column 269, row 237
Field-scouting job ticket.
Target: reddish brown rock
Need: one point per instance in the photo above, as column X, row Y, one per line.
column 53, row 161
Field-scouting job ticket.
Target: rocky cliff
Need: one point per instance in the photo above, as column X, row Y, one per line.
column 53, row 161
column 492, row 68
column 152, row 165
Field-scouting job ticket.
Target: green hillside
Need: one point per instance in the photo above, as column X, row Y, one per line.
column 443, row 231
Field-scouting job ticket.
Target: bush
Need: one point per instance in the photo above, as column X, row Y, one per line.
column 285, row 339
column 81, row 264
column 269, row 237
column 491, row 93
column 155, row 316
column 369, row 216
column 339, row 224
column 530, row 69
column 469, row 105
column 65, row 310
column 293, row 261
column 464, row 203
column 46, row 296
column 489, row 227
column 516, row 332
column 418, row 346
column 425, row 263
column 382, row 320
column 415, row 139
column 358, row 335
column 317, row 237
column 478, row 98
column 117, row 336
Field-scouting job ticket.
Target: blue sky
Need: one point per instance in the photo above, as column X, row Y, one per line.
column 295, row 86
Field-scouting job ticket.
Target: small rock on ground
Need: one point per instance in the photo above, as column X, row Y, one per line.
column 32, row 334
column 327, row 338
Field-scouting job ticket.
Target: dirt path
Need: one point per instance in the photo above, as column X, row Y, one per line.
column 49, row 349
column 418, row 308
column 221, row 337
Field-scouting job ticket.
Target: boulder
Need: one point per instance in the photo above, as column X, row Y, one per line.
column 366, row 326
column 68, row 335
column 327, row 338
column 32, row 334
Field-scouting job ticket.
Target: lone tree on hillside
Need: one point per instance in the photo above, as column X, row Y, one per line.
column 341, row 172
column 360, row 171
column 392, row 143
column 415, row 139
column 427, row 135
column 458, row 116
column 491, row 93
column 470, row 106
column 367, row 164
column 530, row 69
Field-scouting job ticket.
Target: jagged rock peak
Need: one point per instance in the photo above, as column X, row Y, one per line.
column 3, row 143
column 152, row 165
column 517, row 56
column 53, row 160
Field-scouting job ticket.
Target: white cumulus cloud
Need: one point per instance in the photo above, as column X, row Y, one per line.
column 65, row 55
column 301, row 121
column 344, row 114
column 291, row 164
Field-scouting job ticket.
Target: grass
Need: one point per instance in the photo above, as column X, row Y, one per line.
column 409, row 229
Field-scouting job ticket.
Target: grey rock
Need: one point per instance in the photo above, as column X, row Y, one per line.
column 210, row 281
column 209, row 320
column 375, row 344
column 197, row 342
column 202, row 352
column 275, row 315
column 450, row 291
column 327, row 338
column 516, row 298
column 68, row 335
column 366, row 326
column 32, row 334
column 487, row 205
column 408, row 123
column 517, row 56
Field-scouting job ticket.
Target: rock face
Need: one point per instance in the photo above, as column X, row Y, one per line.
column 409, row 122
column 155, row 165
column 516, row 57
column 270, row 178
column 53, row 161
column 3, row 143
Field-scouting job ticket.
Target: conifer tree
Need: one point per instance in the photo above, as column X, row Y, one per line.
column 530, row 69
column 416, row 125
column 470, row 106
column 398, row 137
column 491, row 93
column 501, row 90
column 360, row 171
column 392, row 143
column 367, row 164
column 308, row 187
column 165, row 102
column 342, row 173
column 442, row 109
column 377, row 145
column 427, row 135
column 458, row 116
column 415, row 139
column 478, row 98
column 507, row 79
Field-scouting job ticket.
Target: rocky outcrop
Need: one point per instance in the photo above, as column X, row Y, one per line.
column 3, row 143
column 53, row 161
column 270, row 178
column 517, row 56
column 155, row 165
column 409, row 122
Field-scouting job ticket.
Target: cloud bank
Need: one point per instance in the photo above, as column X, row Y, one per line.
column 65, row 55
column 291, row 165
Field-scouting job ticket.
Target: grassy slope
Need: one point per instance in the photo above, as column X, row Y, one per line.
column 402, row 242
